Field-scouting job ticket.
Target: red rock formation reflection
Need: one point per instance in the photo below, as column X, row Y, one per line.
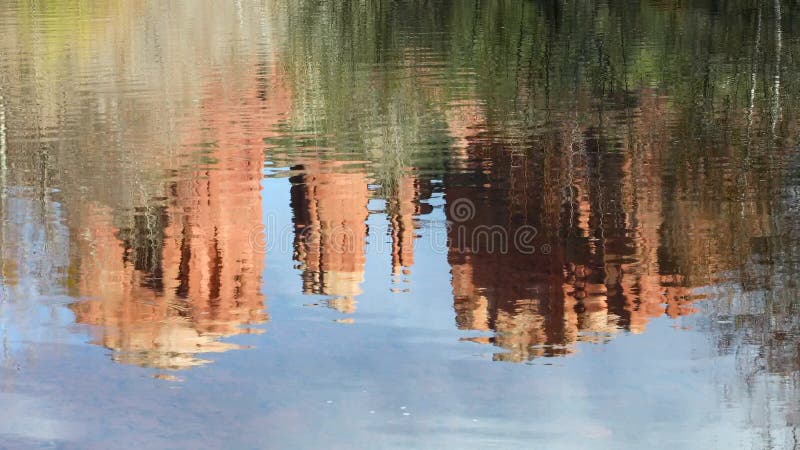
column 330, row 213
column 403, row 206
column 329, row 200
column 188, row 271
column 592, row 268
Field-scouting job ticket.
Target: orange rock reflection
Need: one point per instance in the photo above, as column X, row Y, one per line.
column 594, row 270
column 330, row 213
column 187, row 271
column 329, row 201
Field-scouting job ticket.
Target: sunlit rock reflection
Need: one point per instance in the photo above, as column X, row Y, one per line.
column 186, row 271
column 330, row 212
column 597, row 214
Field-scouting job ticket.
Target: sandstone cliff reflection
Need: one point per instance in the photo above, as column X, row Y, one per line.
column 600, row 265
column 185, row 272
column 597, row 213
column 329, row 201
column 330, row 213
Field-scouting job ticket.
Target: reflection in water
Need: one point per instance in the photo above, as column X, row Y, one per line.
column 330, row 212
column 596, row 213
column 186, row 271
column 403, row 206
column 610, row 190
column 329, row 203
column 597, row 169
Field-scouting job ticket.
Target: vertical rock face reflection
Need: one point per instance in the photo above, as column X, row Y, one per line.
column 589, row 266
column 329, row 202
column 402, row 209
column 330, row 213
column 188, row 270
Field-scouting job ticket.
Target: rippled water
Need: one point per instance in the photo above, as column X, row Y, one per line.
column 476, row 224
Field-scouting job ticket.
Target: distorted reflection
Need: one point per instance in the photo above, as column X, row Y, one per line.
column 505, row 179
column 596, row 213
column 330, row 208
column 403, row 206
column 186, row 270
column 330, row 213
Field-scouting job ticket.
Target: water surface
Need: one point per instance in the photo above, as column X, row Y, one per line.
column 399, row 224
